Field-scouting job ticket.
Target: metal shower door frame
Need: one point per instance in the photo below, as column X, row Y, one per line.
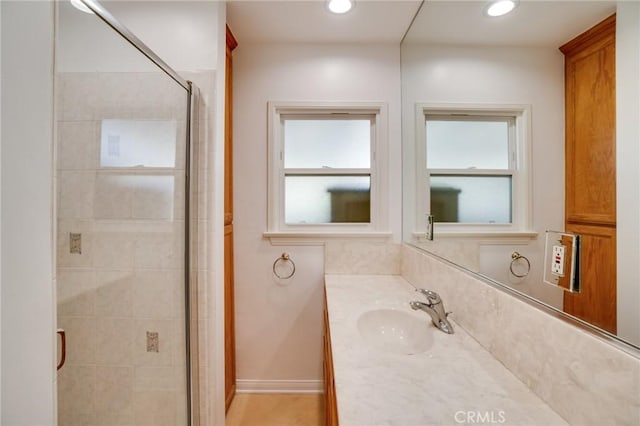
column 192, row 92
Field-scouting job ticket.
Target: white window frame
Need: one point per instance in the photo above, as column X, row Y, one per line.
column 282, row 233
column 521, row 226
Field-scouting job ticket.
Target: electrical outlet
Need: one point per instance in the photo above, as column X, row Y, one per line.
column 75, row 243
column 562, row 260
column 557, row 261
column 152, row 341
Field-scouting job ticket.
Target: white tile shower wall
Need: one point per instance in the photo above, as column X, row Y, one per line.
column 128, row 278
column 584, row 379
column 203, row 280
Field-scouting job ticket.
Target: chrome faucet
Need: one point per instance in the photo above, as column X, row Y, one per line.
column 435, row 308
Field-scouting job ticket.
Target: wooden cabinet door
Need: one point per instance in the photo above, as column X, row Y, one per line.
column 229, row 323
column 590, row 182
column 229, row 293
column 596, row 302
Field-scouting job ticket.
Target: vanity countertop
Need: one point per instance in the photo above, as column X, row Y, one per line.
column 455, row 381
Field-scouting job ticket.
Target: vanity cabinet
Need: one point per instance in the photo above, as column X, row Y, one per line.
column 331, row 408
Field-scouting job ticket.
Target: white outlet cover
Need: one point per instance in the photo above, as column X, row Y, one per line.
column 557, row 262
column 561, row 260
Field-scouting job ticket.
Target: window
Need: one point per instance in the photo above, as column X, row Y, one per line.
column 138, row 143
column 473, row 165
column 325, row 175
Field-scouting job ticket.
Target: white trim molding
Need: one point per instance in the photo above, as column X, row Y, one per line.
column 507, row 238
column 521, row 226
column 378, row 172
column 321, row 238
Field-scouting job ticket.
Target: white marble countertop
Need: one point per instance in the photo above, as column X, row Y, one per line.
column 455, row 381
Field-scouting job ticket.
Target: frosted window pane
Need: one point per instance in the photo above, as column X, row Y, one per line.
column 327, row 199
column 138, row 143
column 467, row 144
column 327, row 143
column 471, row 199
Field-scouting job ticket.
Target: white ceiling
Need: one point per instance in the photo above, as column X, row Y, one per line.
column 533, row 23
column 370, row 21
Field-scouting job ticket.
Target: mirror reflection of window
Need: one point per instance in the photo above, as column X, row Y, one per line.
column 471, row 199
column 470, row 167
column 468, row 143
column 138, row 143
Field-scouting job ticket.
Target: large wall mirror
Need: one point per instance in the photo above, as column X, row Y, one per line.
column 485, row 149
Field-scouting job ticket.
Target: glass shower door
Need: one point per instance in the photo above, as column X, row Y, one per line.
column 120, row 269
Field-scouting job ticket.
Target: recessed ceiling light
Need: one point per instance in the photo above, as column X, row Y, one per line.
column 81, row 6
column 340, row 6
column 500, row 7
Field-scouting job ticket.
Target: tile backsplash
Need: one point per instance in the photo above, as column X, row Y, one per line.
column 357, row 257
column 584, row 379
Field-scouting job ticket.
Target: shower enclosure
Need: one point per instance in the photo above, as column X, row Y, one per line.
column 123, row 143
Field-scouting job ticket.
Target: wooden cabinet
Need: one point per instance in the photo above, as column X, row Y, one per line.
column 331, row 408
column 229, row 323
column 590, row 181
column 596, row 302
column 229, row 298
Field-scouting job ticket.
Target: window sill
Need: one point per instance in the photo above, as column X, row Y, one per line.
column 510, row 237
column 297, row 238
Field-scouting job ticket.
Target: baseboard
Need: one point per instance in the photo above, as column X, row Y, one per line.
column 279, row 386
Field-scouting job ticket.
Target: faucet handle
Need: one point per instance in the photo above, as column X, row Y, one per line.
column 431, row 296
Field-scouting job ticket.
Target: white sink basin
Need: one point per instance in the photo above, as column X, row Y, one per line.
column 392, row 331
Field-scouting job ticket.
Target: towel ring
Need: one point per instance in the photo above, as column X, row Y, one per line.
column 515, row 256
column 284, row 257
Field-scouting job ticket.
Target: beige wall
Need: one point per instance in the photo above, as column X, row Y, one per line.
column 628, row 168
column 28, row 333
column 279, row 325
column 0, row 213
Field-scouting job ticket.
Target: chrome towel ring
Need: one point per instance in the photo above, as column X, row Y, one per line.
column 515, row 257
column 284, row 259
